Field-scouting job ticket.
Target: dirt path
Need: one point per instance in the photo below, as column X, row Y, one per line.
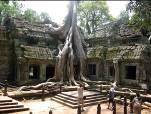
column 39, row 107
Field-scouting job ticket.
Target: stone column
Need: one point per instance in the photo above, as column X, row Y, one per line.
column 116, row 67
column 97, row 71
column 18, row 72
column 106, row 70
column 26, row 71
column 42, row 72
column 22, row 73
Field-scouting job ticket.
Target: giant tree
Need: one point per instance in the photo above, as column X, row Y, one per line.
column 70, row 51
column 72, row 48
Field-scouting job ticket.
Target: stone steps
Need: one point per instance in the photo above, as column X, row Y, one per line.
column 71, row 100
column 8, row 105
column 11, row 106
column 75, row 100
column 5, row 100
column 10, row 110
column 88, row 96
column 76, row 106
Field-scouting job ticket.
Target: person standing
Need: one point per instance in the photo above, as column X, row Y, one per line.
column 111, row 96
column 80, row 96
column 137, row 104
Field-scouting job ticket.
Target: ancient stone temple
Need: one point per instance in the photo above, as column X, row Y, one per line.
column 116, row 52
column 120, row 53
column 26, row 52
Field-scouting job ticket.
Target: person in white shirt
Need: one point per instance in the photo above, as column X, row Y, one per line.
column 111, row 96
column 137, row 104
column 80, row 96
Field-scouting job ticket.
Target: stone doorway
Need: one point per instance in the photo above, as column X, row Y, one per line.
column 34, row 71
column 111, row 71
column 92, row 71
column 131, row 72
column 50, row 70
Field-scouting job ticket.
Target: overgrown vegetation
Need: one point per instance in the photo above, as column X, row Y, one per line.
column 91, row 14
column 141, row 17
column 15, row 9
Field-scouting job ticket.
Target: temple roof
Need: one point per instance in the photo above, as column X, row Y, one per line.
column 28, row 29
column 117, row 30
column 125, row 52
column 134, row 52
column 95, row 52
column 25, row 25
column 32, row 52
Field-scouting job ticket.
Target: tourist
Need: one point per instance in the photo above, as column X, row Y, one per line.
column 137, row 104
column 80, row 96
column 111, row 96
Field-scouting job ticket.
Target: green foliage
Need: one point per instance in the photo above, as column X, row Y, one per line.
column 141, row 14
column 14, row 9
column 91, row 14
column 31, row 15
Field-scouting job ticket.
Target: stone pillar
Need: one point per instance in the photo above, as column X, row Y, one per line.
column 106, row 70
column 116, row 67
column 97, row 71
column 26, row 71
column 42, row 72
column 18, row 72
column 22, row 73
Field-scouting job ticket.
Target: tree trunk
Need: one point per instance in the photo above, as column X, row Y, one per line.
column 72, row 49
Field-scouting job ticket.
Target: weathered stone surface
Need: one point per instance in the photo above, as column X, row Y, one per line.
column 121, row 52
column 37, row 52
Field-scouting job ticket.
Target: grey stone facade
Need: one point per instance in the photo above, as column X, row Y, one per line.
column 116, row 52
column 123, row 54
column 26, row 49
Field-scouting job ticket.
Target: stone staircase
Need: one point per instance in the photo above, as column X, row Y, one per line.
column 9, row 105
column 70, row 98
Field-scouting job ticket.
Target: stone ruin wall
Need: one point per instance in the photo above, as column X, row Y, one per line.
column 5, row 56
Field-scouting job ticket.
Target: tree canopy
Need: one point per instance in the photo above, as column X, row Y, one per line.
column 141, row 14
column 31, row 15
column 12, row 8
column 93, row 13
column 15, row 9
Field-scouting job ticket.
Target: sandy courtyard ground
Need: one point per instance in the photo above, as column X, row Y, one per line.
column 39, row 107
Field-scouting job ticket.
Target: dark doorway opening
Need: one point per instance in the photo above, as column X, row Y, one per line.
column 77, row 71
column 131, row 72
column 50, row 70
column 34, row 71
column 92, row 69
column 111, row 71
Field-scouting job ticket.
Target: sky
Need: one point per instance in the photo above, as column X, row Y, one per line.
column 58, row 9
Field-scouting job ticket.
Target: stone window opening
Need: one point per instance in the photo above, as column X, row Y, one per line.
column 50, row 70
column 34, row 71
column 131, row 72
column 92, row 69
